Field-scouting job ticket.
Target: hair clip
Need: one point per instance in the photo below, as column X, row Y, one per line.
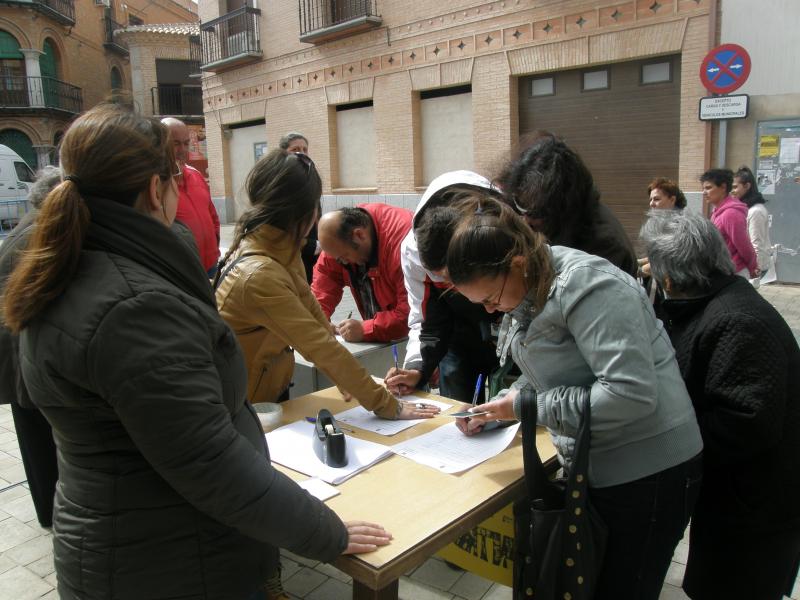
column 479, row 210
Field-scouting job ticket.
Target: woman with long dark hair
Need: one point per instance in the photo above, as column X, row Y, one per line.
column 746, row 189
column 579, row 328
column 263, row 294
column 165, row 485
column 551, row 186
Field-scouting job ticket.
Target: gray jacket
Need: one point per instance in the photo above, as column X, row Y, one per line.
column 166, row 488
column 597, row 335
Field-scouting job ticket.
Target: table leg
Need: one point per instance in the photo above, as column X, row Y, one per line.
column 362, row 592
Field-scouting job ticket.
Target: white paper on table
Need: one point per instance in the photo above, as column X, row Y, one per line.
column 318, row 488
column 448, row 450
column 339, row 339
column 363, row 419
column 291, row 446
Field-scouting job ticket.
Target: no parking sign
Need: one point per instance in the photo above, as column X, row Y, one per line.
column 725, row 69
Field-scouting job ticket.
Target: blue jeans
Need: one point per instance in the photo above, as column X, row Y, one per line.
column 646, row 519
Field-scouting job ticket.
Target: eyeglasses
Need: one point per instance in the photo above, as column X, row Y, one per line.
column 496, row 303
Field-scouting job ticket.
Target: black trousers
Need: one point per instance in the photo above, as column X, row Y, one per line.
column 35, row 439
column 646, row 519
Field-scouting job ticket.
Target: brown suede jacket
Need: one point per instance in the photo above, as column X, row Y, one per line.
column 266, row 300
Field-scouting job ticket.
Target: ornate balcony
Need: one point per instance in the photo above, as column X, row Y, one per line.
column 62, row 11
column 232, row 39
column 28, row 95
column 326, row 20
column 177, row 100
column 111, row 43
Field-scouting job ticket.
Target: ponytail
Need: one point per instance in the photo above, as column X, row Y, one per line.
column 52, row 256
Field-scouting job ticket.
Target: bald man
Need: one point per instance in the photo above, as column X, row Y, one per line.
column 195, row 208
column 361, row 249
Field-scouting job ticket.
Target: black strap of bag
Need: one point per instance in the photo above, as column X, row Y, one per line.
column 560, row 538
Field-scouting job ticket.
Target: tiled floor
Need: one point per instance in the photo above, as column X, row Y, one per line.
column 26, row 560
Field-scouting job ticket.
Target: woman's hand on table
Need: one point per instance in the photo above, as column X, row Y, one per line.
column 417, row 410
column 402, row 382
column 501, row 409
column 365, row 537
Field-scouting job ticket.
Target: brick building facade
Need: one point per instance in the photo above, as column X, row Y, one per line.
column 59, row 57
column 618, row 79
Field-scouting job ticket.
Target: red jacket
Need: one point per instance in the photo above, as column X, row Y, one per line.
column 197, row 212
column 391, row 323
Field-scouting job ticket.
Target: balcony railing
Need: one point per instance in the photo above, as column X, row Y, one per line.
column 111, row 43
column 177, row 100
column 232, row 39
column 325, row 20
column 43, row 93
column 62, row 11
column 195, row 55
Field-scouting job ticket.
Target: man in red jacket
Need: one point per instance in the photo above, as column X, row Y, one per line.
column 195, row 208
column 361, row 249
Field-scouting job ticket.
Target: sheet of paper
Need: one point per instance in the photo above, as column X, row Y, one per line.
column 339, row 339
column 291, row 446
column 448, row 450
column 363, row 419
column 318, row 488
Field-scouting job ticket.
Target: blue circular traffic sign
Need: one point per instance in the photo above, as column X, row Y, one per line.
column 725, row 69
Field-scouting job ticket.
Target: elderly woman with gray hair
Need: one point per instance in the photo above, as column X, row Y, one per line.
column 741, row 365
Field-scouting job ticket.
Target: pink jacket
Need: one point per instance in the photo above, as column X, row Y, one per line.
column 197, row 212
column 730, row 217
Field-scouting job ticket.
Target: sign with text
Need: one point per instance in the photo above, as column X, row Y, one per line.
column 714, row 108
column 725, row 69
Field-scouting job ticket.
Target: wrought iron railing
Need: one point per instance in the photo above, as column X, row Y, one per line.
column 195, row 55
column 233, row 34
column 112, row 43
column 61, row 10
column 177, row 100
column 319, row 14
column 39, row 92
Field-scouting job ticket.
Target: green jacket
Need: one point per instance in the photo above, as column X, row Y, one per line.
column 166, row 488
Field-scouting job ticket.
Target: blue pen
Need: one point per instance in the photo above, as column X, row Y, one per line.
column 478, row 389
column 394, row 353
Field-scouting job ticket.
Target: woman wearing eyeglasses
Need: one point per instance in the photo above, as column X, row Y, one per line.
column 165, row 487
column 263, row 294
column 579, row 327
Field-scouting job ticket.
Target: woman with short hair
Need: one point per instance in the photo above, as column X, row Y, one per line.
column 741, row 365
column 730, row 217
column 665, row 194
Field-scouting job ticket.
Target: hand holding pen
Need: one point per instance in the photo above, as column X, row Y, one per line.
column 351, row 330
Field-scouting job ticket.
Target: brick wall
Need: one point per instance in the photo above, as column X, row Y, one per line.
column 425, row 45
column 82, row 59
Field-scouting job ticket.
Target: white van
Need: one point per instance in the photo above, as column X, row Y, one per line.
column 16, row 178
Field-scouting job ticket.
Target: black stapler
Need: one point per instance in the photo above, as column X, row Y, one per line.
column 329, row 440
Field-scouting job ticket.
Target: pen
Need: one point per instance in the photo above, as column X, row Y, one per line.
column 343, row 428
column 478, row 389
column 394, row 354
column 350, row 315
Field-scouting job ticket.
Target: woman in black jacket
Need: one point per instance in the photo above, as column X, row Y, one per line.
column 553, row 189
column 741, row 365
column 165, row 485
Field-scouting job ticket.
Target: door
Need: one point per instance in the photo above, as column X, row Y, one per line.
column 48, row 65
column 21, row 144
column 777, row 170
column 244, row 143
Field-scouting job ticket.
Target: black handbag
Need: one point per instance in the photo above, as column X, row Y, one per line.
column 560, row 539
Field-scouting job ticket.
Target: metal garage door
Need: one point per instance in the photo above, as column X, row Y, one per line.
column 622, row 118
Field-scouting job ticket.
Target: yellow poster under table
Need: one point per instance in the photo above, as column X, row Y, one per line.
column 488, row 549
